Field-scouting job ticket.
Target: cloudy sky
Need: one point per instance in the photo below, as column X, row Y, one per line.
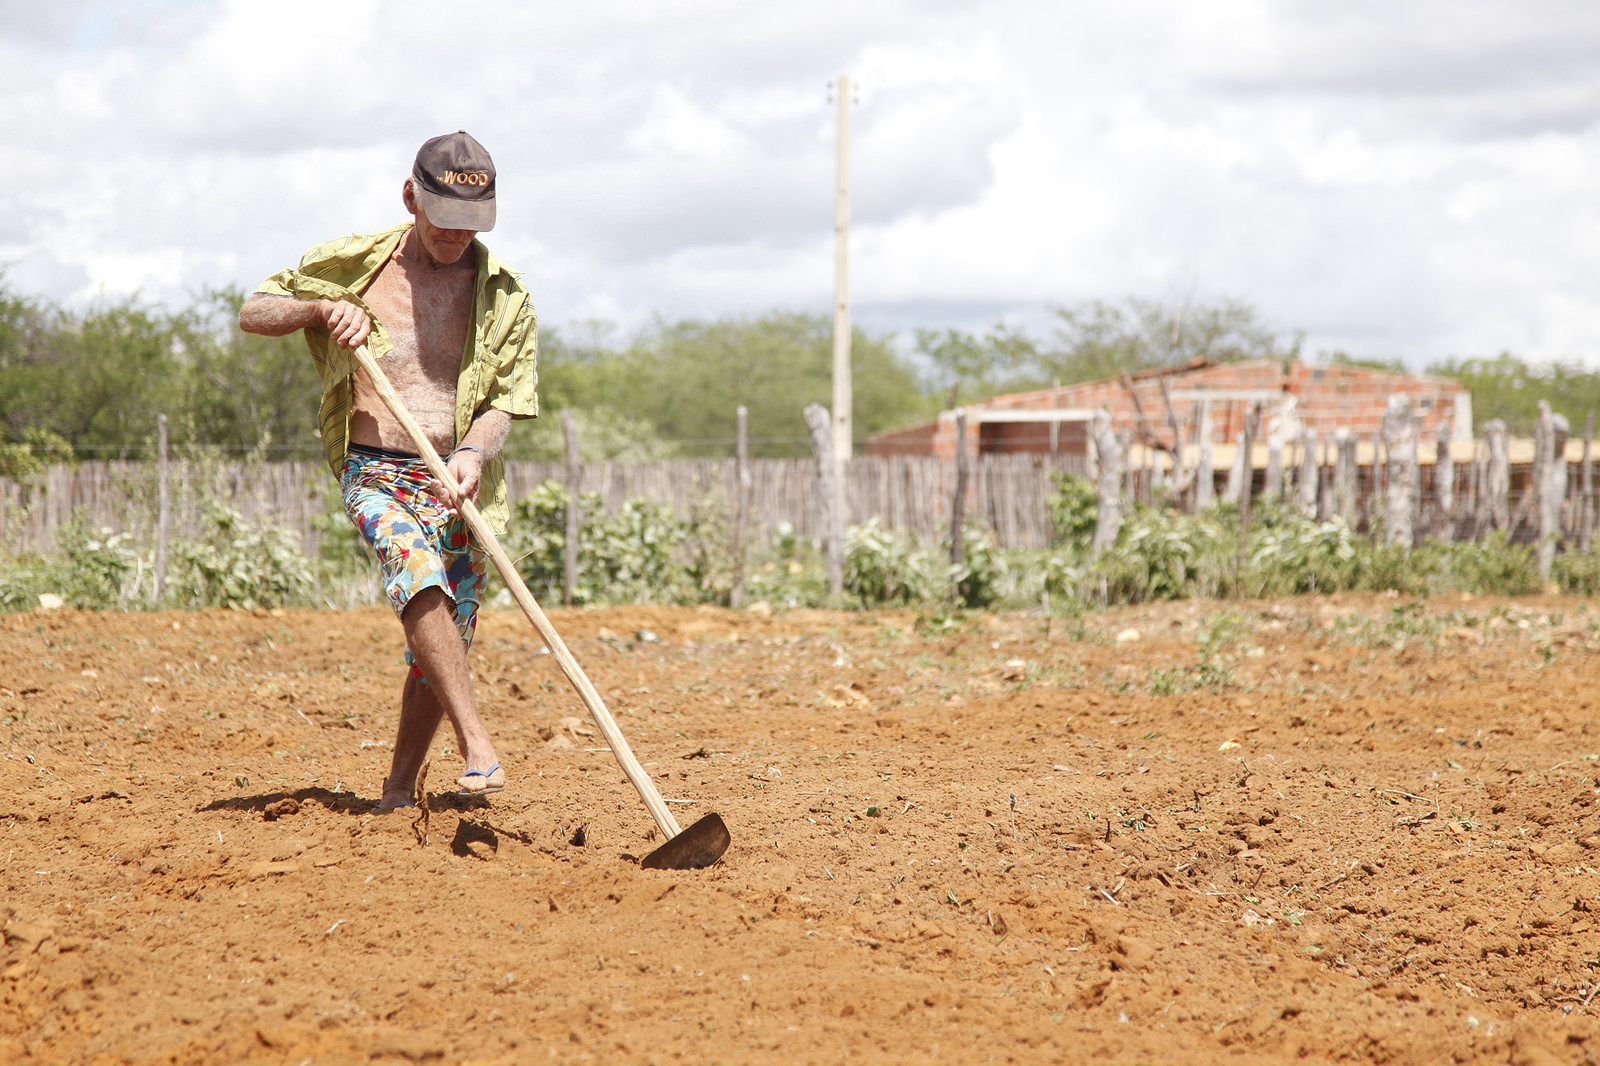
column 1397, row 178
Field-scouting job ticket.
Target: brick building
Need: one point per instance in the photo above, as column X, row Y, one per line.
column 1324, row 398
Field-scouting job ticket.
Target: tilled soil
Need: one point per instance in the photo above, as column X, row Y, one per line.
column 1327, row 829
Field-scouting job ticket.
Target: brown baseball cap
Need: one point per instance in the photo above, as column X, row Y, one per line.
column 454, row 181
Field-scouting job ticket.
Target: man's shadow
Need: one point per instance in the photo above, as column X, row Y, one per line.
column 338, row 802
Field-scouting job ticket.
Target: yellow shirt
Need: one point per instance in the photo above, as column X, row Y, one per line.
column 499, row 366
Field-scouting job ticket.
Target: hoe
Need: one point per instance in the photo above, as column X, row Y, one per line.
column 686, row 849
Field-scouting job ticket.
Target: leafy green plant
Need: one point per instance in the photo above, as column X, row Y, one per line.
column 232, row 562
column 96, row 570
column 28, row 458
column 628, row 556
column 1577, row 572
column 879, row 567
column 1156, row 557
column 1074, row 512
column 976, row 581
column 1497, row 566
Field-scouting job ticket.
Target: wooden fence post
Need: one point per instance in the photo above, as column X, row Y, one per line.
column 1345, row 474
column 1108, row 517
column 1239, row 472
column 958, row 506
column 1560, row 474
column 1497, row 476
column 832, row 522
column 1205, row 485
column 1400, row 446
column 741, row 503
column 1247, row 433
column 1308, row 473
column 164, row 503
column 1549, row 483
column 569, row 549
column 1273, row 488
column 1444, row 485
column 1586, row 501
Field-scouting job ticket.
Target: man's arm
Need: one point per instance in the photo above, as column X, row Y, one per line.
column 278, row 316
column 488, row 435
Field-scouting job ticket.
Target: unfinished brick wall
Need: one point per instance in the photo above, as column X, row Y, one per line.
column 1328, row 398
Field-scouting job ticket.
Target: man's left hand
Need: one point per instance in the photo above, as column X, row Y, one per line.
column 466, row 466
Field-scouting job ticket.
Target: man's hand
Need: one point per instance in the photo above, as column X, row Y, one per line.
column 347, row 324
column 466, row 466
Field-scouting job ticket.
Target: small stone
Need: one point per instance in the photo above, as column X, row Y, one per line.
column 49, row 601
column 1128, row 636
column 773, row 773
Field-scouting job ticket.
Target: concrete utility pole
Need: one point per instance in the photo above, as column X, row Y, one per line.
column 842, row 426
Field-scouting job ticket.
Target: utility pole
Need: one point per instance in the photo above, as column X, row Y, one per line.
column 841, row 290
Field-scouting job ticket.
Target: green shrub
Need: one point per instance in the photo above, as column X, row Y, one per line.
column 630, row 556
column 235, row 563
column 97, row 569
column 1074, row 512
column 1496, row 566
column 1156, row 557
column 879, row 567
column 977, row 580
column 1577, row 572
column 1294, row 557
column 25, row 460
column 626, row 557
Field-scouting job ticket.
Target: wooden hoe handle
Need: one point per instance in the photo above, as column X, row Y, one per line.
column 519, row 591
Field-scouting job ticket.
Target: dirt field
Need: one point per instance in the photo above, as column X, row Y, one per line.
column 1326, row 829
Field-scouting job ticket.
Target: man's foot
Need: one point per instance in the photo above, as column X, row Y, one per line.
column 482, row 782
column 394, row 798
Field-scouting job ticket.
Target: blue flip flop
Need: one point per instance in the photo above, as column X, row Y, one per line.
column 485, row 774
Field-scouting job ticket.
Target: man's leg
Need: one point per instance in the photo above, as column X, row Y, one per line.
column 435, row 642
column 420, row 713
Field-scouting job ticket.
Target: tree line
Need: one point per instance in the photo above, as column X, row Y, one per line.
column 89, row 383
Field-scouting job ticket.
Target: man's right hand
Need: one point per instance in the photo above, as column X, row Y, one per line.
column 347, row 324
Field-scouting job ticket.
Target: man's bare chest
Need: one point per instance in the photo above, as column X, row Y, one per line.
column 426, row 313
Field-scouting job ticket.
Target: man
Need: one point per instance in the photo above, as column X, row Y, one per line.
column 456, row 335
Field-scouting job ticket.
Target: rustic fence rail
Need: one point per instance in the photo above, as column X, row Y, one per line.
column 1009, row 493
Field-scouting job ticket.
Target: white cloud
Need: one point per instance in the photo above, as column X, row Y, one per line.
column 1399, row 180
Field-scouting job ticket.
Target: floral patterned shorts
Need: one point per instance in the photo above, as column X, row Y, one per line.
column 420, row 543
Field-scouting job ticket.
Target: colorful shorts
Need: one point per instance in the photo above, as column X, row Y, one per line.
column 419, row 543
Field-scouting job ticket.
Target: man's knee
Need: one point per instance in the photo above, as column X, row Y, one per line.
column 432, row 598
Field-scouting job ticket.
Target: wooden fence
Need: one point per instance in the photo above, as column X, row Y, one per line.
column 1009, row 493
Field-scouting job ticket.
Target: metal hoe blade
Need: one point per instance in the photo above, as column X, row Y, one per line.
column 696, row 847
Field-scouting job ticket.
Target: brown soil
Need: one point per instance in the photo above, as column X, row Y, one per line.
column 1326, row 829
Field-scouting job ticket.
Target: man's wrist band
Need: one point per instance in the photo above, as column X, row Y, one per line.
column 465, row 448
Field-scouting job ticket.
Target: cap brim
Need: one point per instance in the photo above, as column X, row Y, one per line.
column 447, row 212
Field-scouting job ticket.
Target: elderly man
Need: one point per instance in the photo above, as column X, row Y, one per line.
column 455, row 334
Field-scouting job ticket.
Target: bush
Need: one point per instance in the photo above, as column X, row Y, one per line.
column 1293, row 557
column 91, row 569
column 1577, row 573
column 235, row 563
column 1157, row 556
column 1074, row 512
column 976, row 581
column 629, row 556
column 879, row 567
